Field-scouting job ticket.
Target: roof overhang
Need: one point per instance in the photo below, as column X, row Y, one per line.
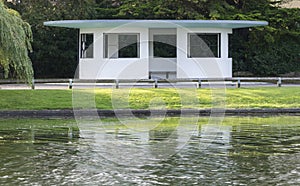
column 155, row 23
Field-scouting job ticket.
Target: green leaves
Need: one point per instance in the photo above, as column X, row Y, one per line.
column 270, row 50
column 15, row 42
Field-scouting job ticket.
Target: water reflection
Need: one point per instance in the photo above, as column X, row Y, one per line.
column 236, row 153
column 137, row 144
column 35, row 163
column 215, row 138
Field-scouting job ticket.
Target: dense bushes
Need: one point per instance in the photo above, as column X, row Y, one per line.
column 270, row 51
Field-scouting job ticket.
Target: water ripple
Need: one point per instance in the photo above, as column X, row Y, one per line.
column 229, row 155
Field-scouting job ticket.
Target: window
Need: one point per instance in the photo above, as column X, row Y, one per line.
column 86, row 46
column 204, row 45
column 121, row 46
column 128, row 46
column 164, row 46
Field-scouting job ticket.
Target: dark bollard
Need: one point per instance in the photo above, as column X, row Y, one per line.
column 238, row 84
column 32, row 84
column 70, row 83
column 199, row 83
column 279, row 82
column 155, row 83
column 117, row 83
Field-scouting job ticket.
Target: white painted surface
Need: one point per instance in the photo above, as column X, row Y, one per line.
column 116, row 68
column 163, row 65
column 114, row 23
column 139, row 68
column 203, row 67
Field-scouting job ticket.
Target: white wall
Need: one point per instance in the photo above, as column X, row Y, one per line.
column 138, row 68
column 120, row 68
column 202, row 67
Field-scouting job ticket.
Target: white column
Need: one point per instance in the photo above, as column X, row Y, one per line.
column 224, row 45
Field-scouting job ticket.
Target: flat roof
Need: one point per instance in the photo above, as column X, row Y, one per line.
column 111, row 23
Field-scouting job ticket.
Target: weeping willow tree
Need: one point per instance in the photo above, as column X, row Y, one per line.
column 15, row 43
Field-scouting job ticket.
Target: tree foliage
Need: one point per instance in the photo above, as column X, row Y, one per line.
column 272, row 50
column 55, row 52
column 15, row 41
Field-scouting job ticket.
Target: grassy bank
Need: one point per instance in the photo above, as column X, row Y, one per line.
column 139, row 98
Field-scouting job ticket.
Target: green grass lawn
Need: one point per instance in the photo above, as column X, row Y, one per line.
column 145, row 98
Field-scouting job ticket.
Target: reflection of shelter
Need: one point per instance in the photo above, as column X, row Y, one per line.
column 161, row 134
column 142, row 49
column 164, row 142
column 215, row 137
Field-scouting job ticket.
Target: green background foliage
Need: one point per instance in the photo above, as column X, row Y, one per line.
column 265, row 51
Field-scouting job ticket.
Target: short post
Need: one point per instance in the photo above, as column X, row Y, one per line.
column 70, row 133
column 279, row 82
column 117, row 83
column 32, row 84
column 199, row 83
column 238, row 84
column 32, row 134
column 155, row 83
column 70, row 83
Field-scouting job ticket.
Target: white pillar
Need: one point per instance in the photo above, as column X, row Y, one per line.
column 224, row 45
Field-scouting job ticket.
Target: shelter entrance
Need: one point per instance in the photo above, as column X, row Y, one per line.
column 162, row 53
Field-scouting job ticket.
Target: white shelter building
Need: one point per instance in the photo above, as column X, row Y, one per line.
column 149, row 49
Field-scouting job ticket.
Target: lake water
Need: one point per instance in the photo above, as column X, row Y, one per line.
column 241, row 151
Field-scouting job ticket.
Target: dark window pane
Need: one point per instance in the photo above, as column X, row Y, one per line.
column 204, row 45
column 195, row 40
column 87, row 46
column 105, row 46
column 230, row 45
column 128, row 46
column 164, row 46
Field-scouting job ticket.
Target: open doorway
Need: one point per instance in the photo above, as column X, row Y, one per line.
column 162, row 53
